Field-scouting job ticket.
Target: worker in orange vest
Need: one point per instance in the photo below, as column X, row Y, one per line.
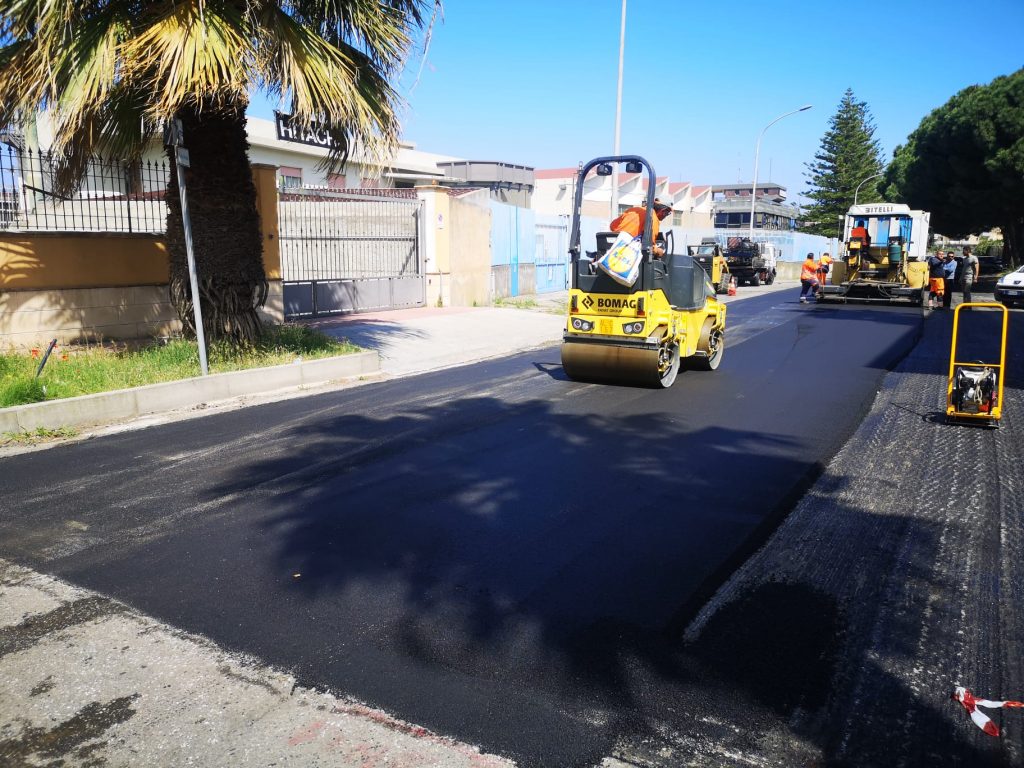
column 632, row 220
column 822, row 272
column 860, row 232
column 808, row 278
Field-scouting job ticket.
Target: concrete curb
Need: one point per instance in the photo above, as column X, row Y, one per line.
column 106, row 407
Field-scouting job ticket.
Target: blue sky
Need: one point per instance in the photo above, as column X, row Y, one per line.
column 534, row 82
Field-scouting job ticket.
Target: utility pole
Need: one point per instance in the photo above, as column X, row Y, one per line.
column 618, row 114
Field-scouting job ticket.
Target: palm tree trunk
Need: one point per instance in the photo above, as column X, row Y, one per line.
column 1013, row 236
column 225, row 226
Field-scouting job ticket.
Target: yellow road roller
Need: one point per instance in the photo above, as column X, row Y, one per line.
column 641, row 333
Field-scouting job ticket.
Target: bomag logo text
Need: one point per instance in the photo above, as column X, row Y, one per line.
column 616, row 303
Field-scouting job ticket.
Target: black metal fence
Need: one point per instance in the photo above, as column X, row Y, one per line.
column 113, row 196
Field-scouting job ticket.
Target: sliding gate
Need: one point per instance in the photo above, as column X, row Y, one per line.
column 349, row 252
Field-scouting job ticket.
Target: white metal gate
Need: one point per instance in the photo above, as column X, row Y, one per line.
column 347, row 252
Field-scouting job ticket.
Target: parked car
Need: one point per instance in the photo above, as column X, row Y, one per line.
column 1010, row 288
column 990, row 265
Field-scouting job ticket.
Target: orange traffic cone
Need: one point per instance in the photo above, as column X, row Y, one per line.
column 732, row 286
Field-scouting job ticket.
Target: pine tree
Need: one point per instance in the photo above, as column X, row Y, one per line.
column 848, row 155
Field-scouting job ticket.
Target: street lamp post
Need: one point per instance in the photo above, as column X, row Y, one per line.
column 757, row 157
column 618, row 113
column 869, row 178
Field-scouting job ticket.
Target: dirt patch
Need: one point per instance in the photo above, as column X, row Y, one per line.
column 70, row 737
column 35, row 628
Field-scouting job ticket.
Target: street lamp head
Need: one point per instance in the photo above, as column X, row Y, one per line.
column 757, row 154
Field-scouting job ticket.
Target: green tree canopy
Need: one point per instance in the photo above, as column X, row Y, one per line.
column 965, row 163
column 848, row 155
column 110, row 73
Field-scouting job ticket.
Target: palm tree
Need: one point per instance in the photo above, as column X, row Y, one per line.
column 113, row 72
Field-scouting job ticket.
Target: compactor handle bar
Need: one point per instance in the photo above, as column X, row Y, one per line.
column 574, row 238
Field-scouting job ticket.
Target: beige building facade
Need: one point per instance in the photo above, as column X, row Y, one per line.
column 555, row 188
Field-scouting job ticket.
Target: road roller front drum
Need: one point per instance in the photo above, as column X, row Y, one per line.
column 617, row 363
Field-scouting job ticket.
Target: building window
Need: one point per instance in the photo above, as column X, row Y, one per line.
column 677, row 218
column 288, row 178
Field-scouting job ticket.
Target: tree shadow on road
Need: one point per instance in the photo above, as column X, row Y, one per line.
column 369, row 334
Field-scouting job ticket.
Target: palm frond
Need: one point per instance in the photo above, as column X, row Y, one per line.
column 194, row 52
column 108, row 68
column 334, row 86
column 382, row 30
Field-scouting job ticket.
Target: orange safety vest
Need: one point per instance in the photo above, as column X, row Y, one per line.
column 807, row 272
column 632, row 221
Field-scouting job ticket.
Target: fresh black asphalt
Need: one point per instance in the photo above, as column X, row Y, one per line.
column 491, row 551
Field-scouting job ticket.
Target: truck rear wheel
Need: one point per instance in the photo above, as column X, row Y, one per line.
column 756, row 279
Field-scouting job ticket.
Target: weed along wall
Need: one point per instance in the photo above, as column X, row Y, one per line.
column 102, row 285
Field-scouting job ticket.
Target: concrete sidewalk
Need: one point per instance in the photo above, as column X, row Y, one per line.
column 429, row 338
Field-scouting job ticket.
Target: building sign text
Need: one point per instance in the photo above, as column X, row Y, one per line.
column 316, row 135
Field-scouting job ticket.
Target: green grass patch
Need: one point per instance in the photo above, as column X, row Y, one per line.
column 74, row 371
column 516, row 303
column 37, row 435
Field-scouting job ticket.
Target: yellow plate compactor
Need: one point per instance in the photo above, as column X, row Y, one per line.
column 639, row 334
column 974, row 392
